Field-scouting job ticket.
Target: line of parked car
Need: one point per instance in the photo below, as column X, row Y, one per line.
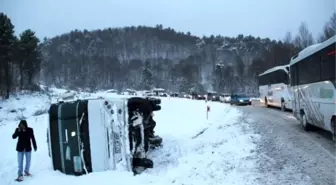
column 233, row 99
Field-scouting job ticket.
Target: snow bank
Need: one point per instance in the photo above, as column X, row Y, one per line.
column 195, row 150
column 200, row 151
column 27, row 104
column 23, row 106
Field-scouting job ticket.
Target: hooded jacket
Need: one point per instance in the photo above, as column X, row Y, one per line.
column 25, row 138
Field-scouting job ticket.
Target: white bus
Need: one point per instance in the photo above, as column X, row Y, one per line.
column 314, row 86
column 274, row 89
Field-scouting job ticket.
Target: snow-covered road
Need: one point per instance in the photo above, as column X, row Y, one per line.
column 287, row 154
column 220, row 150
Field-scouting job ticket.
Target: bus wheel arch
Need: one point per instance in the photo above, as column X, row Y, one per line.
column 304, row 121
column 283, row 105
column 302, row 112
column 266, row 102
column 333, row 126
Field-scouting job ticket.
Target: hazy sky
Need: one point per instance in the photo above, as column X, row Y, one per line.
column 264, row 18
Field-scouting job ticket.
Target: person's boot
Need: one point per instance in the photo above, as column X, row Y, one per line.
column 26, row 173
column 20, row 178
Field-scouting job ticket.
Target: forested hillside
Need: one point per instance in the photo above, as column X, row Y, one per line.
column 144, row 57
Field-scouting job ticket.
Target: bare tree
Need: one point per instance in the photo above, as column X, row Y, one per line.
column 288, row 38
column 304, row 38
column 329, row 29
column 332, row 23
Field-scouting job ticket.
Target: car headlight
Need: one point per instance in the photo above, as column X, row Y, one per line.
column 214, row 97
column 241, row 100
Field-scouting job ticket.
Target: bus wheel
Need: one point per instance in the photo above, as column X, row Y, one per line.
column 283, row 106
column 266, row 103
column 306, row 126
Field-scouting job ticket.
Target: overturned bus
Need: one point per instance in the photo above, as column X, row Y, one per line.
column 95, row 135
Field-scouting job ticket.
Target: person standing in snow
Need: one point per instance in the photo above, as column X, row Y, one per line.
column 25, row 136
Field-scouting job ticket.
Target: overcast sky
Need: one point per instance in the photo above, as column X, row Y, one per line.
column 264, row 18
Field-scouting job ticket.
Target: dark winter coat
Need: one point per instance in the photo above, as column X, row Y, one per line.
column 25, row 138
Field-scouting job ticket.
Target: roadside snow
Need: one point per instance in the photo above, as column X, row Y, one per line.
column 201, row 151
column 195, row 150
column 23, row 106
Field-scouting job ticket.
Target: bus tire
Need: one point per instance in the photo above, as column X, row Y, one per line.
column 304, row 122
column 283, row 106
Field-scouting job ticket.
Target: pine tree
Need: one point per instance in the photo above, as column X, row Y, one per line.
column 29, row 57
column 147, row 76
column 7, row 44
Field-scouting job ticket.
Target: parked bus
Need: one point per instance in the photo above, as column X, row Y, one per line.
column 314, row 86
column 274, row 88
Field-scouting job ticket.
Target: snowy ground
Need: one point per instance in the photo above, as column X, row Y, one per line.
column 220, row 150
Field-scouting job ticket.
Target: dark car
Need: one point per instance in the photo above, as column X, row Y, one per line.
column 175, row 94
column 213, row 97
column 240, row 99
column 201, row 97
column 197, row 96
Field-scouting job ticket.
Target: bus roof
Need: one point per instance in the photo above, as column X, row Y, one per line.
column 283, row 67
column 311, row 50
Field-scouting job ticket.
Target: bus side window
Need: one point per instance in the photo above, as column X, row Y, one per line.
column 328, row 67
